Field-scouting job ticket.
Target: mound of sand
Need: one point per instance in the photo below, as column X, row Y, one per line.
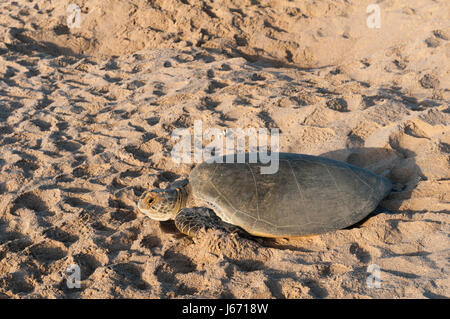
column 86, row 116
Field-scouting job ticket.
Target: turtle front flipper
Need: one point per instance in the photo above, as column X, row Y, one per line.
column 194, row 221
column 191, row 221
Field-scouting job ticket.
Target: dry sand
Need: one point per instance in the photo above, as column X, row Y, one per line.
column 86, row 116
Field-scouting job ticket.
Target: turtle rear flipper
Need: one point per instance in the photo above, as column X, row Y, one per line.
column 193, row 221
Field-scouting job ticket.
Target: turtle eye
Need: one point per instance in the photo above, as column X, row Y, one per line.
column 151, row 200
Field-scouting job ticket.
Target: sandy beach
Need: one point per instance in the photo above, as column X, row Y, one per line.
column 91, row 91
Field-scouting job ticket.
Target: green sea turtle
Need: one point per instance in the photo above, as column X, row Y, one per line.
column 307, row 195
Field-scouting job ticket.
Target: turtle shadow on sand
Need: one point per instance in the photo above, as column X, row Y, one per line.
column 25, row 44
column 382, row 161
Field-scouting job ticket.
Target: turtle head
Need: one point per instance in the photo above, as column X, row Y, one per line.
column 162, row 204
